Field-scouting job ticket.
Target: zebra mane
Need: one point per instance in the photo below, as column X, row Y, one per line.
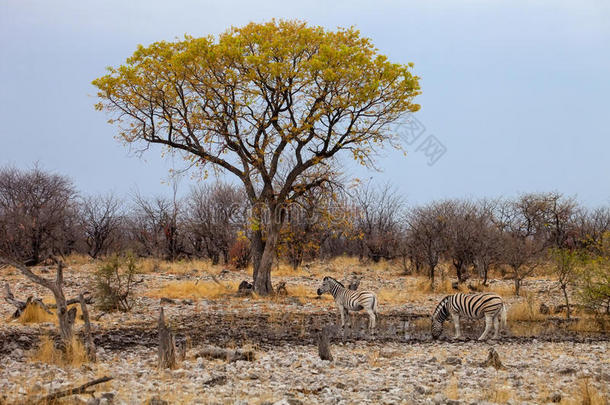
column 336, row 281
column 440, row 313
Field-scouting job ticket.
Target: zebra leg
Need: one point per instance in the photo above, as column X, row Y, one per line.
column 372, row 319
column 488, row 322
column 347, row 317
column 496, row 327
column 342, row 312
column 456, row 323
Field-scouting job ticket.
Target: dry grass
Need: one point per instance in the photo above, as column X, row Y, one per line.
column 303, row 291
column 34, row 313
column 452, row 391
column 528, row 309
column 77, row 259
column 591, row 323
column 393, row 296
column 195, row 290
column 498, row 393
column 503, row 290
column 74, row 356
column 199, row 266
column 373, row 358
column 585, row 394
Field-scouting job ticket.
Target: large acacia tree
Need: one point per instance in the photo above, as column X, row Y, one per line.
column 274, row 104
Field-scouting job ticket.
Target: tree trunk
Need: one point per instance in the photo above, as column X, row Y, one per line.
column 565, row 296
column 256, row 247
column 517, row 286
column 262, row 281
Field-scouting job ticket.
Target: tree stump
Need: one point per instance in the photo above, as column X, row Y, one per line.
column 281, row 289
column 167, row 344
column 245, row 288
column 324, row 345
column 89, row 344
column 493, row 360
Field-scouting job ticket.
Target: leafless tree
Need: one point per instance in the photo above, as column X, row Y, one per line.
column 427, row 226
column 592, row 226
column 100, row 219
column 155, row 226
column 461, row 234
column 378, row 220
column 37, row 211
column 524, row 237
column 213, row 216
column 487, row 244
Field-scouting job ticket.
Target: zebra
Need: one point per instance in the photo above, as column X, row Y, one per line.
column 473, row 306
column 349, row 300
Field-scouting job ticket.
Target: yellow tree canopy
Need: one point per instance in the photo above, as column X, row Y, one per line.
column 272, row 103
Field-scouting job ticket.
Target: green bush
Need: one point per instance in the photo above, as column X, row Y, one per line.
column 114, row 281
column 594, row 285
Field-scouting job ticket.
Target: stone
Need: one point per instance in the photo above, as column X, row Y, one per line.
column 452, row 360
column 555, row 397
column 157, row 401
column 438, row 399
column 108, row 396
column 567, row 371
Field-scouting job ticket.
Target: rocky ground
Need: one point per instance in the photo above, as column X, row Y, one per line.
column 543, row 361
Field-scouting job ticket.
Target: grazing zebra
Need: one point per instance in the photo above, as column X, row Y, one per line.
column 473, row 306
column 349, row 300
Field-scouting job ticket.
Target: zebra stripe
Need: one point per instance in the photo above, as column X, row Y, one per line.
column 349, row 300
column 474, row 306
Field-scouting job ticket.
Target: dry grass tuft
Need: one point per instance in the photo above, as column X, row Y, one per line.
column 77, row 259
column 528, row 309
column 503, row 290
column 452, row 391
column 499, row 393
column 34, row 313
column 393, row 296
column 302, row 291
column 585, row 394
column 591, row 323
column 75, row 355
column 202, row 289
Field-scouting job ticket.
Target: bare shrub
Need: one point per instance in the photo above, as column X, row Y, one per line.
column 378, row 221
column 214, row 215
column 239, row 254
column 100, row 219
column 36, row 215
column 155, row 227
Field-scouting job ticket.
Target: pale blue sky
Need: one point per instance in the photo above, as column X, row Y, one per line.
column 517, row 91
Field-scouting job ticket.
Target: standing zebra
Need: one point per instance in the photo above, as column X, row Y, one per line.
column 349, row 300
column 473, row 306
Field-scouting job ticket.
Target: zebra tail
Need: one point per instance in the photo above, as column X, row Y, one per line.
column 503, row 315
